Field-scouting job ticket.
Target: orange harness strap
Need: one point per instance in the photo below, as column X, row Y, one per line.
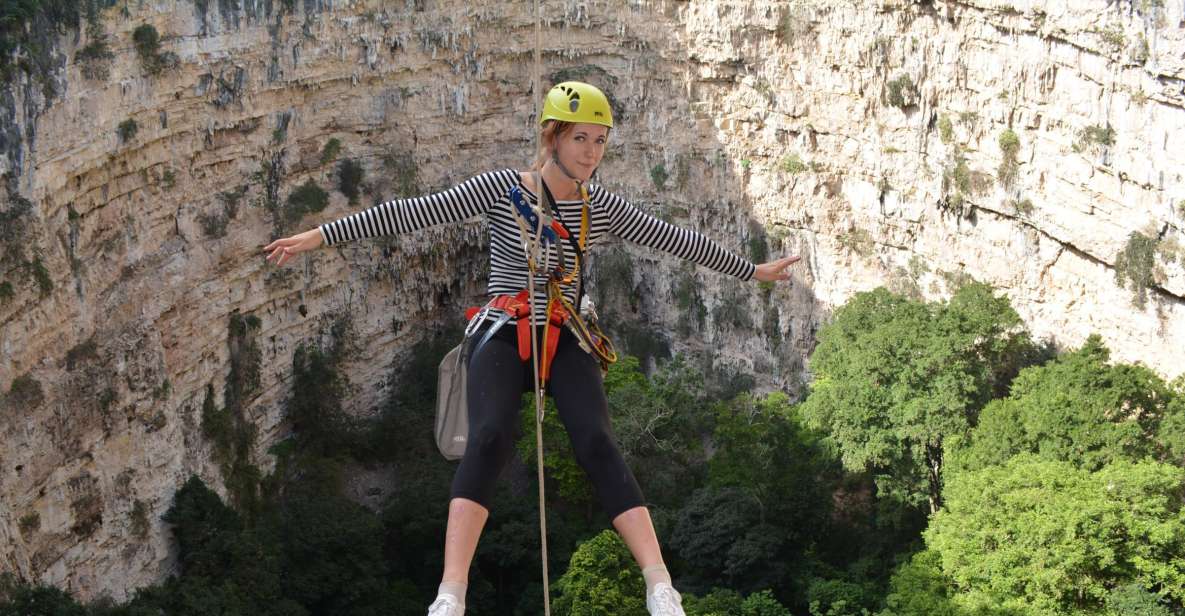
column 518, row 307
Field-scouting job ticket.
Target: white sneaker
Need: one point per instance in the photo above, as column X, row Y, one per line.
column 665, row 601
column 448, row 605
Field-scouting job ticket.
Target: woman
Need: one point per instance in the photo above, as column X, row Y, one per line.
column 576, row 119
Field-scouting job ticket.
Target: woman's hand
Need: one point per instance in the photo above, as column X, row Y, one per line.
column 775, row 270
column 283, row 249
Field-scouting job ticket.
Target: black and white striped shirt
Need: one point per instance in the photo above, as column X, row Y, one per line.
column 488, row 194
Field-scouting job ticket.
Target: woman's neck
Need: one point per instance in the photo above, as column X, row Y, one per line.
column 563, row 188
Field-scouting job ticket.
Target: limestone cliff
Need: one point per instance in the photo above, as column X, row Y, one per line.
column 1028, row 144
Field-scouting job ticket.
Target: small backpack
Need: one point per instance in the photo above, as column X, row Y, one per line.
column 452, row 414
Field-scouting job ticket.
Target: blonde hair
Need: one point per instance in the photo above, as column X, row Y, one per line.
column 552, row 130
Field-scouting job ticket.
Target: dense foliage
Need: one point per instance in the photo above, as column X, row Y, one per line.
column 895, row 378
column 1047, row 537
column 942, row 464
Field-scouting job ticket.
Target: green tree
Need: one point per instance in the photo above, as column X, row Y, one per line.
column 206, row 530
column 721, row 536
column 1047, row 537
column 838, row 597
column 767, row 499
column 1135, row 600
column 728, row 602
column 602, row 580
column 918, row 588
column 331, row 550
column 1172, row 429
column 147, row 41
column 894, row 378
column 660, row 423
column 308, row 198
column 225, row 566
column 321, row 425
column 23, row 600
column 559, row 460
column 1079, row 409
column 763, row 449
column 763, row 604
column 718, row 602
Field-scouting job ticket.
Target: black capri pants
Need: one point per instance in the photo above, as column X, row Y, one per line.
column 496, row 383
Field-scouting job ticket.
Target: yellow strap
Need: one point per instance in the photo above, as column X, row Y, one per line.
column 581, row 240
column 583, row 216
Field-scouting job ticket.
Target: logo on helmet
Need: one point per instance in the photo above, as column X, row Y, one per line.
column 573, row 99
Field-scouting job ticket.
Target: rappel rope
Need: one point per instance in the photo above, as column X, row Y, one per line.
column 534, row 336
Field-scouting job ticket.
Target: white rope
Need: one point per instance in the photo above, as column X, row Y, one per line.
column 535, row 90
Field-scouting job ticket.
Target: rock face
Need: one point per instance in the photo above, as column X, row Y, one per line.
column 1029, row 144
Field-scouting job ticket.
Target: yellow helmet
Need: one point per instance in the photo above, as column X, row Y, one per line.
column 575, row 101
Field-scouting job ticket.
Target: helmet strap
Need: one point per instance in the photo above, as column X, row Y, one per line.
column 556, row 159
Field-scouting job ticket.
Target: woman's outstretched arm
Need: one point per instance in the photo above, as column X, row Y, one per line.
column 469, row 199
column 632, row 224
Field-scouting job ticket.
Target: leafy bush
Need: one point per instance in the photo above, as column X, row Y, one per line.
column 1077, row 408
column 1135, row 265
column 793, row 164
column 902, row 92
column 231, row 434
column 659, row 175
column 24, row 394
column 403, row 170
column 602, row 580
column 857, row 240
column 689, row 301
column 96, row 56
column 1046, row 537
column 15, row 18
column 1094, row 136
column 919, row 588
column 895, row 378
column 26, row 600
column 147, row 41
column 41, row 276
column 349, row 177
column 758, row 244
column 308, row 198
column 29, row 523
column 330, row 151
column 214, row 224
column 127, row 130
column 946, row 130
column 1135, row 600
column 1009, row 146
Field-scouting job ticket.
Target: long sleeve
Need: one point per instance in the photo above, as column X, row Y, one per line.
column 629, row 223
column 467, row 200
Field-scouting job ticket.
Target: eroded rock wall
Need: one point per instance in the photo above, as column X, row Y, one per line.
column 869, row 137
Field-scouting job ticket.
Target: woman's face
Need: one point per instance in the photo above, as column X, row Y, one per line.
column 581, row 148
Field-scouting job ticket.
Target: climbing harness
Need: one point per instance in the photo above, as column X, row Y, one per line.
column 560, row 312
